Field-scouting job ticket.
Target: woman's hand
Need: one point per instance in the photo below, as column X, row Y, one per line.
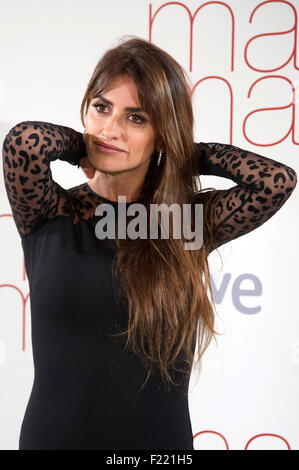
column 87, row 167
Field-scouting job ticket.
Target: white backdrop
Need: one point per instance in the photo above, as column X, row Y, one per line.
column 249, row 387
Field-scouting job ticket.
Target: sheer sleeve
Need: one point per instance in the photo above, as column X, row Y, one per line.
column 263, row 186
column 27, row 151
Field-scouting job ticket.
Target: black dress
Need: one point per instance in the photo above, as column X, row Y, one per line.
column 88, row 393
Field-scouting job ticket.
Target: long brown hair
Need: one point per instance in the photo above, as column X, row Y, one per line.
column 166, row 287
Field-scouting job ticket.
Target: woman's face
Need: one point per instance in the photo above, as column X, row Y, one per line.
column 110, row 121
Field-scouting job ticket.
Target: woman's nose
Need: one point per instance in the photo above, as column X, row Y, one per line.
column 111, row 127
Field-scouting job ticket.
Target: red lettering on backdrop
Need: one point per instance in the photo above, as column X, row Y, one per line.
column 192, row 18
column 262, row 435
column 294, row 28
column 24, row 298
column 269, row 109
column 213, row 432
column 257, row 436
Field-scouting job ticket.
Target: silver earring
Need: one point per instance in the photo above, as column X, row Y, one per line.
column 159, row 158
column 84, row 135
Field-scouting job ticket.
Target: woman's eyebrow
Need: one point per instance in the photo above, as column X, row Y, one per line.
column 127, row 108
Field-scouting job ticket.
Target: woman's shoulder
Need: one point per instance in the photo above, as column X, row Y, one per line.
column 83, row 200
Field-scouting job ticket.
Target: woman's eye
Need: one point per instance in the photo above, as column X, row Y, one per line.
column 140, row 119
column 98, row 105
column 136, row 119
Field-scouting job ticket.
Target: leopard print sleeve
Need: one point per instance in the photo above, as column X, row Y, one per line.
column 263, row 186
column 27, row 151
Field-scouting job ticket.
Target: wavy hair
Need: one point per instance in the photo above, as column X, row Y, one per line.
column 165, row 286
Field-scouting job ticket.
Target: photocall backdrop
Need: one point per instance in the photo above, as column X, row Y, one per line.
column 242, row 58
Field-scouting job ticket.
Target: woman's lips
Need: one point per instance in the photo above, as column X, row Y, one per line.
column 105, row 149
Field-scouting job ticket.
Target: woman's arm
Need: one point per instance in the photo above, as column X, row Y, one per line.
column 263, row 186
column 27, row 151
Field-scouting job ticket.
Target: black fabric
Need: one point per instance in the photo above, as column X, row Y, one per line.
column 88, row 392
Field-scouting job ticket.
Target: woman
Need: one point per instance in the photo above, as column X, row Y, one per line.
column 115, row 322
